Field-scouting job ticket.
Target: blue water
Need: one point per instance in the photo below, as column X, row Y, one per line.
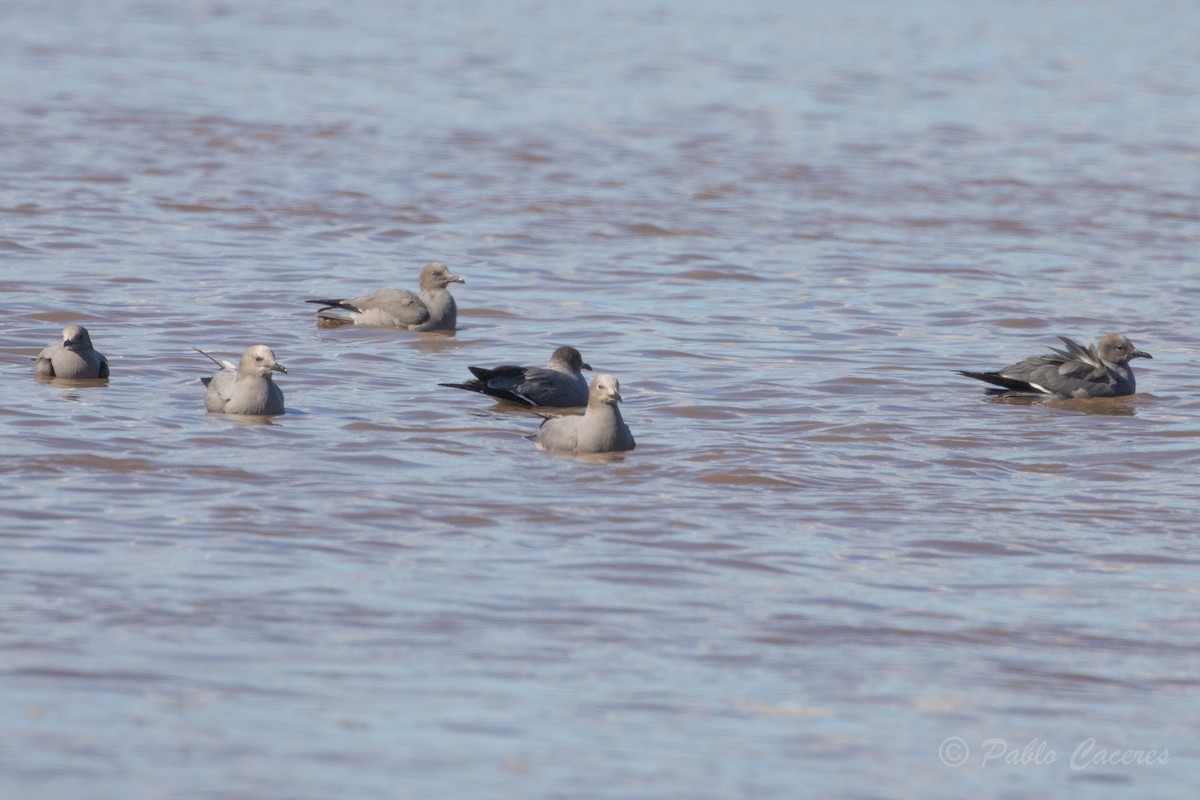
column 831, row 562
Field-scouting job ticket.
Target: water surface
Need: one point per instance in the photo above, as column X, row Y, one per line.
column 781, row 225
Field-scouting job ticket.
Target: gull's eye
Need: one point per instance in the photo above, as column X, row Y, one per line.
column 258, row 358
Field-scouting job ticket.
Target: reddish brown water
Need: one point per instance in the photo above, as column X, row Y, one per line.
column 831, row 563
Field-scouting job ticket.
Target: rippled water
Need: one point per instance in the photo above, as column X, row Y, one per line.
column 782, row 225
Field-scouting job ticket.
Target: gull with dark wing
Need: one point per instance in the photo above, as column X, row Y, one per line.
column 73, row 358
column 432, row 310
column 559, row 384
column 1077, row 372
column 600, row 430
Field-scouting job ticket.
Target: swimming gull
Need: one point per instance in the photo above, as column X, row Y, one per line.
column 1099, row 371
column 73, row 358
column 559, row 384
column 600, row 430
column 432, row 310
column 246, row 388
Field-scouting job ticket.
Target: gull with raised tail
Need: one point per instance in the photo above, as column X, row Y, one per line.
column 1077, row 372
column 246, row 388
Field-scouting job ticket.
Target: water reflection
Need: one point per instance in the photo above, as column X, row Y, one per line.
column 250, row 420
column 589, row 458
column 1100, row 406
column 72, row 383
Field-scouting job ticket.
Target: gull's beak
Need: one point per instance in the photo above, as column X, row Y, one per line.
column 278, row 368
column 1140, row 354
column 585, row 365
column 457, row 279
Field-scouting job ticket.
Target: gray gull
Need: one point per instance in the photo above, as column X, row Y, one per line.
column 432, row 310
column 559, row 384
column 74, row 358
column 246, row 388
column 599, row 430
column 1077, row 372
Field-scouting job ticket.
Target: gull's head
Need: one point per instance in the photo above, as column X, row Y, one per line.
column 1114, row 348
column 75, row 337
column 605, row 389
column 436, row 275
column 570, row 358
column 259, row 360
